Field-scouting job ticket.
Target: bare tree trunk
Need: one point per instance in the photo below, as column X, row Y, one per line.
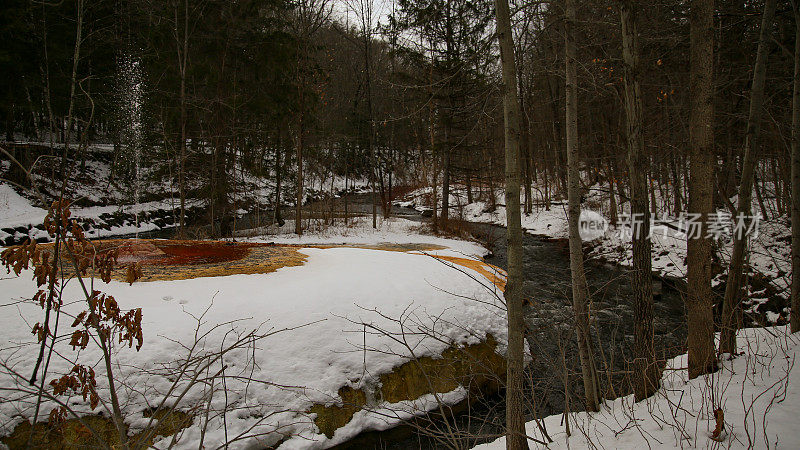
column 676, row 185
column 469, row 187
column 366, row 18
column 515, row 401
column 279, row 178
column 612, row 201
column 646, row 373
column 298, row 215
column 733, row 294
column 580, row 290
column 34, row 120
column 446, row 182
column 699, row 316
column 435, row 168
column 182, row 58
column 795, row 314
column 310, row 16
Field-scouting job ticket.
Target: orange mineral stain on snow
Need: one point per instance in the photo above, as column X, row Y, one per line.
column 161, row 260
column 165, row 260
column 492, row 273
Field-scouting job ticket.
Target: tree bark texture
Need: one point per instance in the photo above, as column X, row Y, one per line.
column 646, row 372
column 580, row 290
column 699, row 315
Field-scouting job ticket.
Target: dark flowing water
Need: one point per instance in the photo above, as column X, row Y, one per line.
column 549, row 318
column 551, row 341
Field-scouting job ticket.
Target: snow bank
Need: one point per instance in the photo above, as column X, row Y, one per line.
column 758, row 392
column 16, row 210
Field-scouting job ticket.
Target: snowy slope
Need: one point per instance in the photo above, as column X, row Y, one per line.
column 758, row 392
column 16, row 210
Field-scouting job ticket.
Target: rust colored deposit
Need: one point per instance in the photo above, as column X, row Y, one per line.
column 492, row 273
column 182, row 260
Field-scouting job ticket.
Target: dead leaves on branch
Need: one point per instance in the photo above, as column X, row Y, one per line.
column 71, row 247
column 103, row 320
column 81, row 381
column 20, row 257
column 105, row 316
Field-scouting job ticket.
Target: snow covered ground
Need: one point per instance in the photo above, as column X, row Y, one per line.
column 758, row 393
column 359, row 231
column 271, row 383
column 16, row 210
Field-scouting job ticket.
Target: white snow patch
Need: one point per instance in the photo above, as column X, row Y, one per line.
column 759, row 393
column 331, row 295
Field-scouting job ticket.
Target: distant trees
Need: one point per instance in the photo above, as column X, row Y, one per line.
column 454, row 37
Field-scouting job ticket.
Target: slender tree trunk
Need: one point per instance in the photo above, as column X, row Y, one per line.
column 346, row 179
column 515, row 401
column 446, row 183
column 653, row 203
column 434, row 166
column 279, row 178
column 34, row 119
column 580, row 290
column 526, row 170
column 387, row 212
column 469, row 188
column 795, row 314
column 700, row 320
column 646, row 373
column 733, row 289
column 371, row 140
column 758, row 186
column 298, row 215
column 612, row 204
column 182, row 59
column 676, row 186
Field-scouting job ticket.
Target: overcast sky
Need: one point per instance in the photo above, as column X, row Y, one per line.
column 344, row 13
